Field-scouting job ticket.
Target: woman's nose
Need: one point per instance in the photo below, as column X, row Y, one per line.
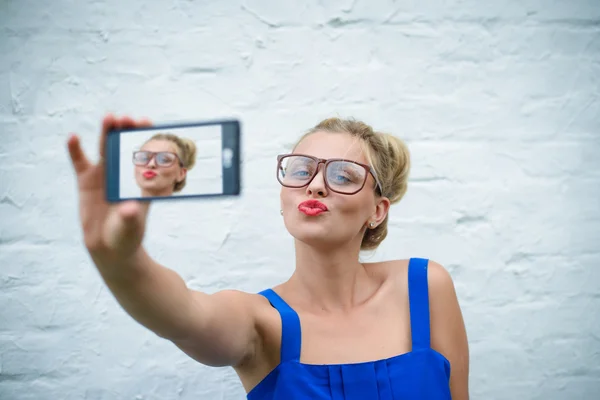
column 317, row 185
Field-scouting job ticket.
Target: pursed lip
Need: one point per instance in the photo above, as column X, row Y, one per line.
column 313, row 205
column 149, row 174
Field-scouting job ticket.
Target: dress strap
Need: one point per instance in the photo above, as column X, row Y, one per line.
column 291, row 334
column 418, row 292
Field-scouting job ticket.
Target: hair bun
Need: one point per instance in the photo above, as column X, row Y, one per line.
column 188, row 152
column 396, row 165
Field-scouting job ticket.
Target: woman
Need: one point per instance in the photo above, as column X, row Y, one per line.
column 162, row 163
column 337, row 329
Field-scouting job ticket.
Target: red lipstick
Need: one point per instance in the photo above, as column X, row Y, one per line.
column 149, row 174
column 312, row 207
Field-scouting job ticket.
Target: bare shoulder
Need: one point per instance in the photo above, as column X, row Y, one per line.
column 231, row 325
column 264, row 355
column 443, row 300
column 254, row 304
column 238, row 330
column 246, row 299
column 392, row 270
column 248, row 303
column 448, row 333
column 440, row 281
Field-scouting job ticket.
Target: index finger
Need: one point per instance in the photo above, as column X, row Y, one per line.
column 108, row 123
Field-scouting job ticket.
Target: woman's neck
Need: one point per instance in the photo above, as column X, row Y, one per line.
column 331, row 279
column 157, row 193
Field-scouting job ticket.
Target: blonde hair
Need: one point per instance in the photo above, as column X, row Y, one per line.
column 186, row 150
column 388, row 155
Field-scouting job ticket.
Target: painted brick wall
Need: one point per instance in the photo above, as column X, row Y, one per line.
column 498, row 100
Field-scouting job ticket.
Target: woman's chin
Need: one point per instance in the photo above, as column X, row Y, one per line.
column 148, row 190
column 314, row 236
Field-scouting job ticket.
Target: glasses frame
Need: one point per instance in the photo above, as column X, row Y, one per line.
column 326, row 162
column 153, row 154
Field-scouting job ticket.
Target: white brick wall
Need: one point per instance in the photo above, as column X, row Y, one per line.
column 499, row 102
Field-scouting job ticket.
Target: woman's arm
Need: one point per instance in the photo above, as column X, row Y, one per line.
column 217, row 329
column 448, row 334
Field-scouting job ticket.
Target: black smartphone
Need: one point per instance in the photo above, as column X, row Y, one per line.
column 174, row 160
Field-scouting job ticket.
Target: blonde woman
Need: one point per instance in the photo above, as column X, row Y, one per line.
column 162, row 164
column 337, row 328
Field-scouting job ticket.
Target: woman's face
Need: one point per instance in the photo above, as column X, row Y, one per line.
column 159, row 175
column 345, row 215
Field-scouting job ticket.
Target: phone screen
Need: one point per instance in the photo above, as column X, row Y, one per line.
column 171, row 161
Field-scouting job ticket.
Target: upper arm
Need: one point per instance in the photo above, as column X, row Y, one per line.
column 448, row 333
column 222, row 329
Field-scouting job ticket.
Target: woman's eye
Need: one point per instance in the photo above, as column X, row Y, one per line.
column 301, row 172
column 342, row 179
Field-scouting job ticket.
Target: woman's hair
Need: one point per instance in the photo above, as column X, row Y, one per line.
column 186, row 150
column 389, row 157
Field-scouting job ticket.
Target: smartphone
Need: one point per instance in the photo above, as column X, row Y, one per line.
column 174, row 161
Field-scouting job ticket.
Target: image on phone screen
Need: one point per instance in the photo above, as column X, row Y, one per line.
column 173, row 161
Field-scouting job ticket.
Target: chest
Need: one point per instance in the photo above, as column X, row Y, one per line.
column 377, row 332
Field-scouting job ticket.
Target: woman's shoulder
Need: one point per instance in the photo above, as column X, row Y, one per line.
column 438, row 276
column 400, row 266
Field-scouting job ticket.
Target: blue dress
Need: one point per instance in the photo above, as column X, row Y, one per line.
column 422, row 373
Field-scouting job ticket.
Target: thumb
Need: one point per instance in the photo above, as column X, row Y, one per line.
column 78, row 158
column 126, row 226
column 131, row 211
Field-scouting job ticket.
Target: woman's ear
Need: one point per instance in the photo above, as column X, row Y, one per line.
column 381, row 210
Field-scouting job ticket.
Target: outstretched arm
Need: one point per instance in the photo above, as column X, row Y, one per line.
column 217, row 329
column 214, row 329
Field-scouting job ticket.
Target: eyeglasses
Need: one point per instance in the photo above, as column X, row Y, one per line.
column 162, row 158
column 340, row 175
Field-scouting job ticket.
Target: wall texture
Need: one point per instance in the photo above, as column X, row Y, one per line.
column 498, row 100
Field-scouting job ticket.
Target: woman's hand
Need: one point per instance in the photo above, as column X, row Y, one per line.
column 112, row 232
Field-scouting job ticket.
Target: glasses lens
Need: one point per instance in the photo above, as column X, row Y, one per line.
column 342, row 176
column 345, row 176
column 141, row 157
column 165, row 159
column 296, row 171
